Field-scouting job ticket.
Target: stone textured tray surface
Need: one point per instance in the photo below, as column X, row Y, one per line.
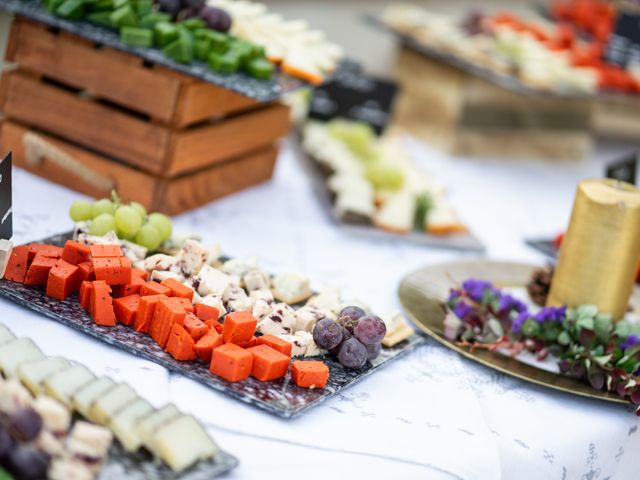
column 261, row 90
column 280, row 397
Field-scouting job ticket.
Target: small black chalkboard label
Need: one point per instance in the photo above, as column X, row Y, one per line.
column 355, row 95
column 6, row 215
column 624, row 45
column 625, row 169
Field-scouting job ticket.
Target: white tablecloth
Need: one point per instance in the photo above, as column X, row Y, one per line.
column 430, row 415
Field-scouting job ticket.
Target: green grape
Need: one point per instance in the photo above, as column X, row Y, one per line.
column 149, row 237
column 128, row 220
column 103, row 223
column 139, row 208
column 102, row 206
column 80, row 210
column 359, row 137
column 384, row 177
column 163, row 224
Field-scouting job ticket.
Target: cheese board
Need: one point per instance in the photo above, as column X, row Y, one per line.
column 281, row 397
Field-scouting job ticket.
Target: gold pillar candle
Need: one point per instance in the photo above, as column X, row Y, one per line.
column 601, row 249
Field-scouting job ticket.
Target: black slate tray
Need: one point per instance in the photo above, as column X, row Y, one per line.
column 141, row 466
column 279, row 397
column 319, row 176
column 261, row 90
column 545, row 246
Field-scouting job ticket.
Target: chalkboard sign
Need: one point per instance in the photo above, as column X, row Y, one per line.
column 624, row 45
column 6, row 215
column 625, row 169
column 355, row 95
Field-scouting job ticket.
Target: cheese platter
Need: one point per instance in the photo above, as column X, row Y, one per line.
column 289, row 324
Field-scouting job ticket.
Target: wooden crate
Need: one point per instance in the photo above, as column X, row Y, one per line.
column 143, row 117
column 467, row 115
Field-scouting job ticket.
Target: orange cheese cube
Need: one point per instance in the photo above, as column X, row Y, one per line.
column 180, row 344
column 38, row 272
column 17, row 265
column 125, row 308
column 46, row 250
column 146, row 310
column 231, row 362
column 128, row 289
column 178, row 289
column 63, row 280
column 276, row 343
column 309, row 373
column 113, row 270
column 207, row 344
column 75, row 253
column 167, row 313
column 268, row 364
column 136, row 272
column 206, row 312
column 105, row 251
column 84, row 295
column 85, row 270
column 196, row 327
column 238, row 327
column 101, row 306
column 154, row 288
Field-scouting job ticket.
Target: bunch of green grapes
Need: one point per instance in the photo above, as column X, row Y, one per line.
column 129, row 221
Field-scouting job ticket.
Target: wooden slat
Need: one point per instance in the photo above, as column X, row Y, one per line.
column 113, row 75
column 217, row 142
column 197, row 189
column 86, row 122
column 132, row 184
column 12, row 41
column 199, row 101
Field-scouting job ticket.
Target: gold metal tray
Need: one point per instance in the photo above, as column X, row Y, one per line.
column 423, row 291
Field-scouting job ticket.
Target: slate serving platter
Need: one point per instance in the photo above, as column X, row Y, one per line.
column 319, row 176
column 279, row 397
column 261, row 90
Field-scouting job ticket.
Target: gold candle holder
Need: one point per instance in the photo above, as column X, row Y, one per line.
column 601, row 249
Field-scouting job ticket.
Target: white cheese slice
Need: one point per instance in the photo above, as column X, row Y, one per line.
column 279, row 322
column 328, row 299
column 261, row 309
column 307, row 317
column 17, row 352
column 396, row 215
column 55, row 416
column 63, row 384
column 113, row 400
column 49, row 443
column 146, row 426
column 235, row 298
column 84, row 398
column 89, row 440
column 183, row 442
column 122, row 424
column 211, row 281
column 33, row 374
column 298, row 344
column 214, row 253
column 6, row 247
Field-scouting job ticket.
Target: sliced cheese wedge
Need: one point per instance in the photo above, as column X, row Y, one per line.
column 63, row 384
column 16, row 352
column 115, row 399
column 84, row 398
column 396, row 215
column 123, row 423
column 147, row 426
column 182, row 442
column 33, row 374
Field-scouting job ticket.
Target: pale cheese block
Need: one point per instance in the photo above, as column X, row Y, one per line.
column 64, row 383
column 33, row 374
column 298, row 344
column 146, row 426
column 6, row 247
column 107, row 405
column 89, row 440
column 55, row 416
column 17, row 352
column 291, row 288
column 6, row 335
column 313, row 350
column 396, row 215
column 123, row 423
column 183, row 442
column 212, row 281
column 13, row 395
column 84, row 398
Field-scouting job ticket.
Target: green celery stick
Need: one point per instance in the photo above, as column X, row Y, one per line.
column 260, row 68
column 226, row 63
column 193, row 23
column 124, row 17
column 52, row 5
column 180, row 50
column 72, row 9
column 143, row 7
column 136, row 37
column 201, row 49
column 100, row 18
column 150, row 20
column 164, row 33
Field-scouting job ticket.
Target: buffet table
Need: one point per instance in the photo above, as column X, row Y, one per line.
column 430, row 414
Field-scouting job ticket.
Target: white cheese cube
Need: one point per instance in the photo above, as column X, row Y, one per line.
column 89, row 440
column 63, row 384
column 235, row 298
column 33, row 374
column 261, row 309
column 183, row 442
column 298, row 344
column 307, row 317
column 17, row 352
column 256, row 280
column 279, row 322
column 146, row 426
column 312, row 350
column 159, row 261
column 13, row 395
column 55, row 416
column 63, row 468
column 113, row 400
column 214, row 253
column 49, row 443
column 5, row 334
column 133, row 251
column 291, row 288
column 6, row 247
column 192, row 256
column 160, row 275
column 122, row 425
column 239, row 266
column 84, row 398
column 328, row 299
column 215, row 302
column 212, row 282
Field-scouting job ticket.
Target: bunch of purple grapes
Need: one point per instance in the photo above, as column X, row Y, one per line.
column 215, row 18
column 18, row 456
column 353, row 339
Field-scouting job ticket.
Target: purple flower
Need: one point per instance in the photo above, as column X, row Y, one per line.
column 507, row 302
column 476, row 288
column 630, row 341
column 462, row 309
column 516, row 325
column 551, row 314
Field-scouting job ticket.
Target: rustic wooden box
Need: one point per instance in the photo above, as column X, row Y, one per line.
column 129, row 118
column 467, row 115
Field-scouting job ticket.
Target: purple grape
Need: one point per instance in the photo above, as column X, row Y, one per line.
column 327, row 334
column 346, row 335
column 25, row 424
column 27, row 463
column 349, row 316
column 6, row 442
column 194, row 4
column 352, row 354
column 172, row 7
column 216, row 18
column 370, row 330
column 373, row 350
